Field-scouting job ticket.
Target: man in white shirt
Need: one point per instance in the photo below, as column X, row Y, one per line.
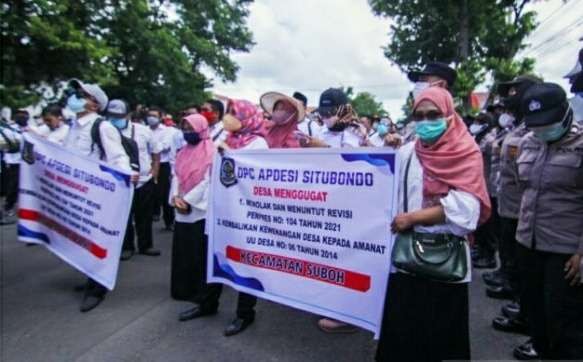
column 165, row 137
column 13, row 131
column 309, row 125
column 143, row 203
column 339, row 130
column 87, row 100
column 54, row 128
column 214, row 110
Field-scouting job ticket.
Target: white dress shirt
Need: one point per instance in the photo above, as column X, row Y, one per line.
column 57, row 135
column 342, row 139
column 310, row 128
column 165, row 137
column 258, row 143
column 462, row 209
column 197, row 198
column 79, row 140
column 147, row 146
column 217, row 133
column 14, row 134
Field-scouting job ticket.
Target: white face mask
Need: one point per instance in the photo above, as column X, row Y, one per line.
column 506, row 120
column 420, row 87
column 477, row 128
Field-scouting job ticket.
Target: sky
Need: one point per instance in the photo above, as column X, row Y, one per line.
column 311, row 45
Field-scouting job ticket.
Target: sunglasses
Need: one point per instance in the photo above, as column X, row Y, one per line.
column 431, row 115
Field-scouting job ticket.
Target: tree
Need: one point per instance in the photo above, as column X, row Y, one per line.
column 143, row 51
column 478, row 36
column 366, row 104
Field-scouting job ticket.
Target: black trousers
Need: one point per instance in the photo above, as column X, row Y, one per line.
column 162, row 193
column 424, row 320
column 12, row 176
column 487, row 234
column 2, row 175
column 141, row 215
column 188, row 272
column 554, row 309
column 507, row 246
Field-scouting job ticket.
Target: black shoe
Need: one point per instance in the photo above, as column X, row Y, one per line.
column 150, row 252
column 126, row 255
column 194, row 312
column 525, row 352
column 238, row 325
column 80, row 287
column 503, row 292
column 494, row 278
column 485, row 262
column 511, row 310
column 510, row 325
column 91, row 301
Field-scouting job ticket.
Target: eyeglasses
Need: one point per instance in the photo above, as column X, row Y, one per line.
column 431, row 115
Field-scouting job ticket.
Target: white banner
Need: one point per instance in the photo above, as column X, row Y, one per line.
column 308, row 228
column 76, row 206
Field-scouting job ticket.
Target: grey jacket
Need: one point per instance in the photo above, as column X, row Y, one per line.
column 510, row 193
column 551, row 212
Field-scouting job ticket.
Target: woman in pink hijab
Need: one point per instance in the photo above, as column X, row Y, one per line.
column 246, row 126
column 285, row 114
column 189, row 196
column 425, row 319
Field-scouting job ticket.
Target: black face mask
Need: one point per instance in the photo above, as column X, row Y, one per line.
column 339, row 127
column 21, row 120
column 192, row 138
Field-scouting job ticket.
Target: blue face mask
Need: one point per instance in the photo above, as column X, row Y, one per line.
column 152, row 121
column 430, row 131
column 76, row 104
column 382, row 129
column 192, row 138
column 119, row 123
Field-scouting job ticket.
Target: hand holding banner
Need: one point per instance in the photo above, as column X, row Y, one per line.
column 76, row 206
column 307, row 228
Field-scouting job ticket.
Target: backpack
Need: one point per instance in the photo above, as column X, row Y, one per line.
column 129, row 145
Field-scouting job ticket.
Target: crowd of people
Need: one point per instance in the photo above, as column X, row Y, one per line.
column 504, row 186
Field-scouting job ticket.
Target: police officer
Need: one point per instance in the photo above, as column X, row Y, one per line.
column 575, row 77
column 484, row 133
column 509, row 196
column 550, row 228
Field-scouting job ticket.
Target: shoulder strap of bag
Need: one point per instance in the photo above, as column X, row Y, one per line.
column 217, row 135
column 406, row 188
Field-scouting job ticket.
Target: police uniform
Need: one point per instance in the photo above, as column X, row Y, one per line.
column 550, row 228
column 486, row 234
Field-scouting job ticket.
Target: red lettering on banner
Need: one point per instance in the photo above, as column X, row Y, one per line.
column 324, row 273
column 83, row 242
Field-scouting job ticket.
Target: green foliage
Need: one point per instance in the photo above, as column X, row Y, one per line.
column 142, row 51
column 479, row 37
column 366, row 104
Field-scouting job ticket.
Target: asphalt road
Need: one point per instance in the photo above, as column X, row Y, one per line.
column 40, row 318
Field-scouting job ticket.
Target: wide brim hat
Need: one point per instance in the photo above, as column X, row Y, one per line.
column 270, row 99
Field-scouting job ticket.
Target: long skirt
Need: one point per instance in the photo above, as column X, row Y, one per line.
column 424, row 321
column 186, row 270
